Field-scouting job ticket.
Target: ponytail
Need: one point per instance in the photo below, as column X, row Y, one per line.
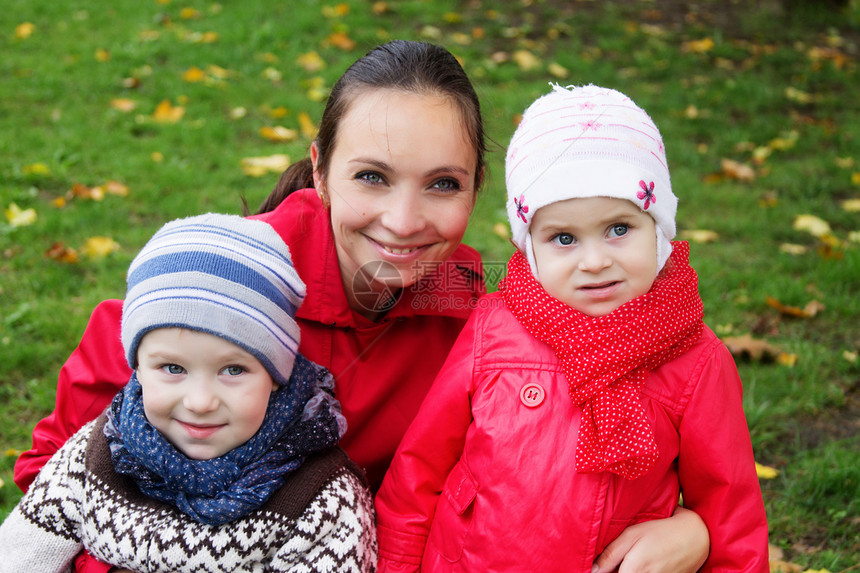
column 299, row 175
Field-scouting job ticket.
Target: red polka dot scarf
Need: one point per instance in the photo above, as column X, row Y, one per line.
column 606, row 359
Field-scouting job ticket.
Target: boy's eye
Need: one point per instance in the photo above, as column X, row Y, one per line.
column 564, row 239
column 618, row 230
column 173, row 368
column 233, row 370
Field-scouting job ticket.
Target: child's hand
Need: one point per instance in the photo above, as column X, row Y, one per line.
column 676, row 544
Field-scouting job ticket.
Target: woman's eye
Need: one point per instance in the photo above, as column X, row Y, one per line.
column 173, row 368
column 447, row 185
column 233, row 370
column 564, row 239
column 371, row 177
column 618, row 230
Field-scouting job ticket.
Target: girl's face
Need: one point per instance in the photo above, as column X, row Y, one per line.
column 205, row 394
column 400, row 184
column 594, row 254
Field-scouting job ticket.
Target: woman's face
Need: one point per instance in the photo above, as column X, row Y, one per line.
column 400, row 184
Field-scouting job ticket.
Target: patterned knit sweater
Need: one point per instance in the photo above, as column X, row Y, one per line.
column 321, row 519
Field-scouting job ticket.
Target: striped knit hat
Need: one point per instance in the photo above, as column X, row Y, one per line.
column 219, row 274
column 587, row 142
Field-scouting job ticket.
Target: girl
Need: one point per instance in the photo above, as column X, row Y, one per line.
column 587, row 394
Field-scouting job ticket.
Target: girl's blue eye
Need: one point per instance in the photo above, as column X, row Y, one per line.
column 173, row 369
column 618, row 230
column 564, row 239
column 234, row 370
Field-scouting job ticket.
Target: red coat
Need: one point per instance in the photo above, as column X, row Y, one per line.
column 382, row 370
column 484, row 479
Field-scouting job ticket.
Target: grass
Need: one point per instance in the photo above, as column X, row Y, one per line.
column 723, row 80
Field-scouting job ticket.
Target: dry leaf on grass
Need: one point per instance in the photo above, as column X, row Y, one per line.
column 750, row 348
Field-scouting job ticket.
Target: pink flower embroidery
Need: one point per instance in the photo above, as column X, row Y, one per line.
column 647, row 193
column 521, row 208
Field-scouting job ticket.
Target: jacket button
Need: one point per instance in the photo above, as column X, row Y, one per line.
column 532, row 395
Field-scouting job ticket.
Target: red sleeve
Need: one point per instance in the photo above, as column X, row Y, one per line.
column 426, row 456
column 86, row 563
column 89, row 379
column 717, row 469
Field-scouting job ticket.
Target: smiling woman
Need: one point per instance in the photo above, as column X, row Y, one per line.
column 395, row 195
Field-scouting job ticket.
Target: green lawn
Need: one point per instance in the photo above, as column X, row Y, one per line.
column 758, row 109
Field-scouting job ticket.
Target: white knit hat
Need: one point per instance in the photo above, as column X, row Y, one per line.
column 587, row 142
column 223, row 275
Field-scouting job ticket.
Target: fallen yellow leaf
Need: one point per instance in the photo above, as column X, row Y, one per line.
column 796, row 95
column 194, row 74
column 272, row 74
column 18, row 217
column 102, row 55
column 745, row 346
column 35, row 169
column 278, row 134
column 812, row 308
column 793, row 249
column 124, row 105
column 736, row 170
column 335, row 11
column 526, row 60
column 259, row 166
column 114, row 188
column 306, row 125
column 558, row 71
column 24, row 30
column 813, row 225
column 502, row 230
column 699, row 46
column 166, row 112
column 99, row 247
column 786, row 359
column 63, row 254
column 189, row 14
column 850, row 356
column 81, row 191
column 851, row 205
column 765, row 472
column 311, row 62
column 342, row 41
column 379, row 8
column 699, row 236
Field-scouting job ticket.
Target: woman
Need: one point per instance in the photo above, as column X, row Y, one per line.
column 374, row 219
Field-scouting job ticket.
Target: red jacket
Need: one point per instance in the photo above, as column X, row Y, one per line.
column 484, row 482
column 382, row 370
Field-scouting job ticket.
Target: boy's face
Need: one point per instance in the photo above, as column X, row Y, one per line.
column 205, row 394
column 596, row 253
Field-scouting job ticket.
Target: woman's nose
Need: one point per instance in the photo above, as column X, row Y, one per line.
column 404, row 212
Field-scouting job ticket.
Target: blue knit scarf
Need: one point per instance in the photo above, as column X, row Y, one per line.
column 301, row 419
